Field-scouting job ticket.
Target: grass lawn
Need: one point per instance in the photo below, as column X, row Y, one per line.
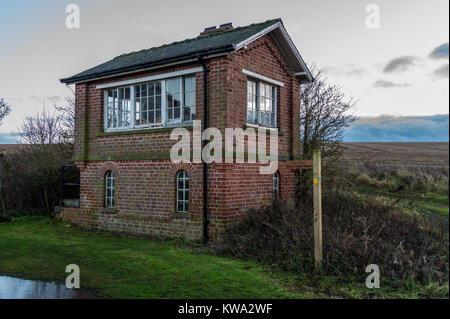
column 116, row 267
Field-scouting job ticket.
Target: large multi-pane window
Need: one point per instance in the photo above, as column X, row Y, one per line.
column 150, row 104
column 109, row 189
column 182, row 192
column 261, row 103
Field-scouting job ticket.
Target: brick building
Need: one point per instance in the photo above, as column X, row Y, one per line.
column 127, row 107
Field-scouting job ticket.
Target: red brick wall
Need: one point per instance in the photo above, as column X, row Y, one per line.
column 145, row 186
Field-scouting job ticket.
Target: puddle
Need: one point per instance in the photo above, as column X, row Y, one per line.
column 16, row 288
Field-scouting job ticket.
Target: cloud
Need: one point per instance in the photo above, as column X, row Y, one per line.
column 46, row 99
column 399, row 64
column 440, row 52
column 384, row 84
column 387, row 128
column 346, row 71
column 442, row 71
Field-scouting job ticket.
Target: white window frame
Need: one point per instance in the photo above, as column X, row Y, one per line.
column 185, row 190
column 109, row 176
column 258, row 102
column 164, row 111
column 143, row 126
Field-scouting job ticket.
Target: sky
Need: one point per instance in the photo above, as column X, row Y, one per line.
column 400, row 69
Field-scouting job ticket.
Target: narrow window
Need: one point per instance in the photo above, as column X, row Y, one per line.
column 109, row 191
column 251, row 102
column 189, row 98
column 276, row 184
column 173, row 99
column 267, row 105
column 261, row 103
column 182, row 192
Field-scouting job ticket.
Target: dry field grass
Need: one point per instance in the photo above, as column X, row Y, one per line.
column 430, row 158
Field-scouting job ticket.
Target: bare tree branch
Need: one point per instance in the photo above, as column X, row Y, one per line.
column 324, row 115
column 44, row 128
column 4, row 109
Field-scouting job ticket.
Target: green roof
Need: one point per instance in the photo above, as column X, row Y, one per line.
column 210, row 43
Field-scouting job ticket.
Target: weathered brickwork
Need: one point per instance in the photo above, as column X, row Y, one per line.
column 146, row 178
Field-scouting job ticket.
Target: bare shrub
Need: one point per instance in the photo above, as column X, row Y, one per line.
column 356, row 232
column 30, row 175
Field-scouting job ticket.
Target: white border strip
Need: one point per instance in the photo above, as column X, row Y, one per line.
column 150, row 78
column 262, row 77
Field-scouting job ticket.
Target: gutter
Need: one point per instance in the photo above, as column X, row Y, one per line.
column 200, row 59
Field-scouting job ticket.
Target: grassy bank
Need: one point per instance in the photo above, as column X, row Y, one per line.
column 115, row 267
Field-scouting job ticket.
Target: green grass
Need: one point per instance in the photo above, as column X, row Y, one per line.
column 117, row 267
column 429, row 203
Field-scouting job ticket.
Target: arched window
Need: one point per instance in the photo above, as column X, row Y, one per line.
column 182, row 192
column 276, row 184
column 109, row 189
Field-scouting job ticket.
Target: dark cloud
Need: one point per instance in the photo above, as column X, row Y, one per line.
column 402, row 63
column 442, row 71
column 399, row 129
column 384, row 84
column 440, row 52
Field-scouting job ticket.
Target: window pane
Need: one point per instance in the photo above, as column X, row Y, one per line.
column 186, row 113
column 173, row 92
column 144, row 113
column 251, row 101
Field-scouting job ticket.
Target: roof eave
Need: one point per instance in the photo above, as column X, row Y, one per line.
column 146, row 66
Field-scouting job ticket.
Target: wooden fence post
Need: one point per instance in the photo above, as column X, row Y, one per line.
column 317, row 192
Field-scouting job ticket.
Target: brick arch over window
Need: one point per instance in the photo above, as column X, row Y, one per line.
column 175, row 167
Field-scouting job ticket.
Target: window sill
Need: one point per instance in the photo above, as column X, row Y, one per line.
column 257, row 126
column 187, row 126
column 105, row 210
column 181, row 215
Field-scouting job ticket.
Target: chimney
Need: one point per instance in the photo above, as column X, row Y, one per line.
column 222, row 27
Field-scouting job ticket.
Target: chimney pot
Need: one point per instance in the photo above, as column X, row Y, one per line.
column 225, row 26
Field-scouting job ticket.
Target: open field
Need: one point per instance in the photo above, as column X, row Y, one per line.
column 430, row 158
column 117, row 267
column 413, row 174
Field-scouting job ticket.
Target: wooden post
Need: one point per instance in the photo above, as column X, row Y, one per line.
column 317, row 191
